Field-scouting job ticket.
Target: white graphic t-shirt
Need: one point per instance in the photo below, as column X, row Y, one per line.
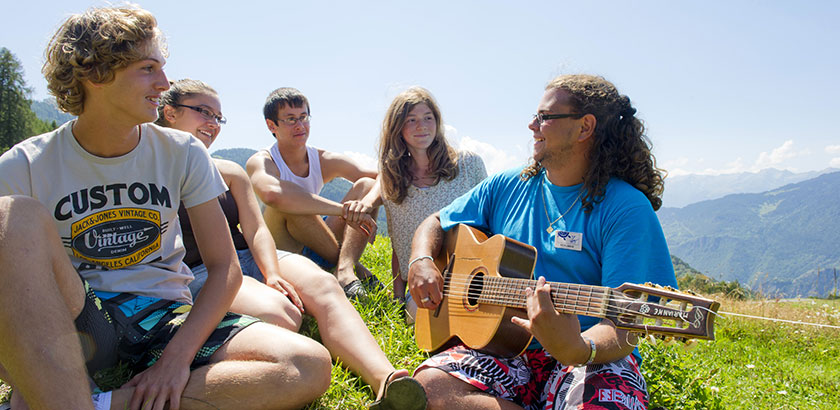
column 117, row 217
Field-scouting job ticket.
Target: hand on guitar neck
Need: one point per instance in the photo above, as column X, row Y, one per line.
column 568, row 346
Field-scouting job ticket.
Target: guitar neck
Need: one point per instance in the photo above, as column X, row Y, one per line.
column 586, row 300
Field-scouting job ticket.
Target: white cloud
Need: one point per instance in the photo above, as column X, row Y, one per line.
column 362, row 159
column 494, row 159
column 834, row 163
column 450, row 132
column 832, row 149
column 733, row 167
column 776, row 156
column 675, row 167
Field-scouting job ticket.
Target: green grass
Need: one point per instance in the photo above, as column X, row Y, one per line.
column 752, row 364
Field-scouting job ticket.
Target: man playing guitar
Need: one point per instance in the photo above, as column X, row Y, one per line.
column 587, row 204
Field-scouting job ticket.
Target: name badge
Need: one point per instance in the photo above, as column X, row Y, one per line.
column 568, row 240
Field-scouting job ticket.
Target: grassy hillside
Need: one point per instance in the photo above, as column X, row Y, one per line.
column 752, row 364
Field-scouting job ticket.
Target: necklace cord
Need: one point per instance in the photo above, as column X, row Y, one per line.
column 550, row 228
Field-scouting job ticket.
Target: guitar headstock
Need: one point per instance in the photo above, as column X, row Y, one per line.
column 652, row 309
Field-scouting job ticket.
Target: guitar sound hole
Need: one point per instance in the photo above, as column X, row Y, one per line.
column 475, row 289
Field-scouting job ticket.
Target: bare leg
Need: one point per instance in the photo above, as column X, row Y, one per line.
column 343, row 331
column 447, row 392
column 398, row 282
column 262, row 367
column 353, row 241
column 257, row 299
column 39, row 298
column 292, row 232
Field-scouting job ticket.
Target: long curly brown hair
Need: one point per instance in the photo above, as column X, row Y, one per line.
column 619, row 149
column 394, row 158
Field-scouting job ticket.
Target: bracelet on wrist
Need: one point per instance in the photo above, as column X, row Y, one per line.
column 592, row 351
column 417, row 259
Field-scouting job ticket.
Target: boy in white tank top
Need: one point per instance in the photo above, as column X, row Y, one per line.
column 288, row 177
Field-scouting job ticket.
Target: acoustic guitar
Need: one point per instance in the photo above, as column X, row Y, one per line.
column 484, row 286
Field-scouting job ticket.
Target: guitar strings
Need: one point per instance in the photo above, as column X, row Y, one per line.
column 578, row 300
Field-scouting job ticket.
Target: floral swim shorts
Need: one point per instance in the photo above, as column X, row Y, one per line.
column 536, row 381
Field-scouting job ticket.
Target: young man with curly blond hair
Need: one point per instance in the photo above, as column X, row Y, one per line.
column 104, row 242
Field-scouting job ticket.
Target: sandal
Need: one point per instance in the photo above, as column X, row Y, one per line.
column 403, row 393
column 372, row 283
column 355, row 290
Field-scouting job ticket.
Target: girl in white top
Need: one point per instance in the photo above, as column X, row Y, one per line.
column 419, row 173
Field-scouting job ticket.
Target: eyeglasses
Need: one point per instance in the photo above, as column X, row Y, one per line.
column 541, row 118
column 207, row 114
column 291, row 121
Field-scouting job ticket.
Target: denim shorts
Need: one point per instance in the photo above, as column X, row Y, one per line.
column 246, row 262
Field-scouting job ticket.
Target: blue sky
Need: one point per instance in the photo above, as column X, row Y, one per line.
column 722, row 86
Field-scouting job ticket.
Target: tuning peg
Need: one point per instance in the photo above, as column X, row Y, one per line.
column 689, row 344
column 669, row 340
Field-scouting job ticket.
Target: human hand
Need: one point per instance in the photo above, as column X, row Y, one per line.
column 164, row 382
column 425, row 283
column 354, row 211
column 544, row 321
column 286, row 288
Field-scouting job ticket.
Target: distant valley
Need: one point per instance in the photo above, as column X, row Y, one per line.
column 773, row 241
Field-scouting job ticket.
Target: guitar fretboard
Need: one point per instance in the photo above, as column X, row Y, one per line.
column 576, row 299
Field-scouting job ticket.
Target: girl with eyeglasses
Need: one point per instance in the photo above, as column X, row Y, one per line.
column 278, row 285
column 419, row 173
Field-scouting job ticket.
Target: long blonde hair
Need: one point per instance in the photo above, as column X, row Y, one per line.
column 394, row 157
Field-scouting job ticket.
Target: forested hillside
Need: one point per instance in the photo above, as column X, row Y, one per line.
column 17, row 120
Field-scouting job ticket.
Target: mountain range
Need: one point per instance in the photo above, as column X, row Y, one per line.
column 683, row 190
column 47, row 111
column 773, row 242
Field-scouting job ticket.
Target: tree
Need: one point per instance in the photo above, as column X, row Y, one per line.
column 17, row 121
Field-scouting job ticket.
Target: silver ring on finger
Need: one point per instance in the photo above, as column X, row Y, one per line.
column 426, row 299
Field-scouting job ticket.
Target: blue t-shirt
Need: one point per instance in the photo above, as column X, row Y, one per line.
column 620, row 240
